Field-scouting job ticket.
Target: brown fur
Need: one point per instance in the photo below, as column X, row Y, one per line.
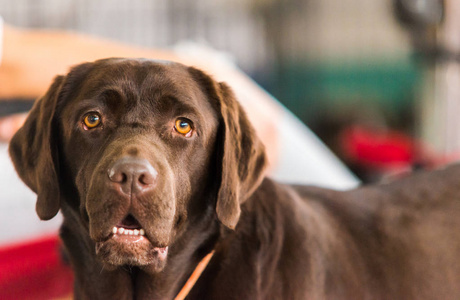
column 271, row 241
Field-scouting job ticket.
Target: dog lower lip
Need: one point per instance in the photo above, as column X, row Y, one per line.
column 162, row 252
column 131, row 238
column 135, row 236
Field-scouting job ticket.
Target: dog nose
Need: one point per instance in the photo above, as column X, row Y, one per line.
column 133, row 175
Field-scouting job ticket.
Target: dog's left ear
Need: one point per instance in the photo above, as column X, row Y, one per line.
column 34, row 152
column 242, row 155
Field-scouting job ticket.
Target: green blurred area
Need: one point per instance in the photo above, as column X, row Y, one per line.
column 308, row 89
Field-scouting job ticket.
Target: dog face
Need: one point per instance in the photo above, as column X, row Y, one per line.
column 132, row 146
column 143, row 151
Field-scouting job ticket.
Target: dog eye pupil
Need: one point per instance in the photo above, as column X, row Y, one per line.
column 92, row 120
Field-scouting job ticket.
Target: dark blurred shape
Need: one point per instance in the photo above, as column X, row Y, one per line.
column 12, row 106
column 420, row 13
column 422, row 18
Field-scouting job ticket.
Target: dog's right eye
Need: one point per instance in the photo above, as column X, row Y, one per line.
column 92, row 120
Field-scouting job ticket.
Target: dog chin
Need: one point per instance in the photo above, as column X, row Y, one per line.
column 131, row 251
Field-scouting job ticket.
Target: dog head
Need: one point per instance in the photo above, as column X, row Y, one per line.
column 142, row 150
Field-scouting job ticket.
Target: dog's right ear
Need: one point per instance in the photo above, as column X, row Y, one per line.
column 33, row 150
column 242, row 159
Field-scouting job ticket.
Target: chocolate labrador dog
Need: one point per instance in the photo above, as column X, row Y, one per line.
column 154, row 165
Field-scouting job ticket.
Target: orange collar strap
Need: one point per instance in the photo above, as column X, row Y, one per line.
column 194, row 277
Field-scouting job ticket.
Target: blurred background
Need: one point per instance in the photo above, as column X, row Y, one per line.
column 377, row 81
column 365, row 76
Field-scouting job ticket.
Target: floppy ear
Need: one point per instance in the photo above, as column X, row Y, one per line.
column 33, row 150
column 242, row 154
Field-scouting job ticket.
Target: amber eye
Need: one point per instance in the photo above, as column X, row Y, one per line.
column 183, row 126
column 92, row 120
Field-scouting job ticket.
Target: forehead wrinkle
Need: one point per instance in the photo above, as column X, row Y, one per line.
column 113, row 96
column 125, row 94
column 181, row 108
column 171, row 78
column 120, row 82
column 163, row 93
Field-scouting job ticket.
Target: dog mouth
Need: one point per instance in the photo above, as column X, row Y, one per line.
column 130, row 230
column 128, row 244
column 129, row 226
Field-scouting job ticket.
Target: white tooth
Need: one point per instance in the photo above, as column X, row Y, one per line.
column 130, row 232
column 126, row 232
column 120, row 230
column 142, row 232
column 114, row 230
column 136, row 232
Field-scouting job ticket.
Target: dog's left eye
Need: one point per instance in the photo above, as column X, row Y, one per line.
column 92, row 120
column 184, row 127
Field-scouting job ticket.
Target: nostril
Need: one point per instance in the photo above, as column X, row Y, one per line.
column 117, row 176
column 146, row 178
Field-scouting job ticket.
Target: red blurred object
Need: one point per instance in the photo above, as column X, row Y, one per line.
column 34, row 270
column 378, row 149
column 390, row 151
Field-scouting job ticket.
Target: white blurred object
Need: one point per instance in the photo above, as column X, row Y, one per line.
column 17, row 206
column 304, row 159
